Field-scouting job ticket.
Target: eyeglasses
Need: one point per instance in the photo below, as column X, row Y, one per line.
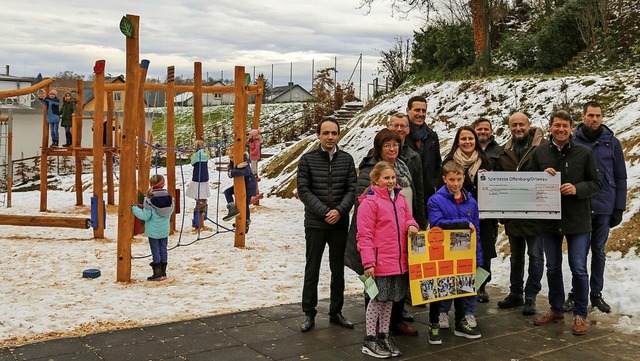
column 399, row 126
column 389, row 146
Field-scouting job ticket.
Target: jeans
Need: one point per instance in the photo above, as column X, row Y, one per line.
column 533, row 247
column 470, row 305
column 55, row 136
column 228, row 195
column 436, row 306
column 158, row 249
column 316, row 239
column 578, row 248
column 67, row 134
column 599, row 236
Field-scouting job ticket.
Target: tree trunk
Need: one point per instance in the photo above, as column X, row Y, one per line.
column 481, row 23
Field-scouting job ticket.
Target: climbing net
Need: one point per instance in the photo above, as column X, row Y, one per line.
column 218, row 228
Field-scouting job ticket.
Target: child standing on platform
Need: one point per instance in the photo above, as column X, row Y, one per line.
column 452, row 207
column 67, row 111
column 255, row 149
column 157, row 210
column 53, row 114
column 198, row 189
column 384, row 220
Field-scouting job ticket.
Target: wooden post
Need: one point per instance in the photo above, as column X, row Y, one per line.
column 111, row 150
column 43, row 158
column 255, row 124
column 239, row 144
column 197, row 100
column 143, row 173
column 127, row 191
column 171, row 141
column 9, row 124
column 98, row 148
column 76, row 139
column 45, row 221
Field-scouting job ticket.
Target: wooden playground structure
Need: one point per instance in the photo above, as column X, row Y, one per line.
column 133, row 153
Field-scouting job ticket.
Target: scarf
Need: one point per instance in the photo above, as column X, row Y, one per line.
column 592, row 135
column 520, row 146
column 470, row 163
column 417, row 133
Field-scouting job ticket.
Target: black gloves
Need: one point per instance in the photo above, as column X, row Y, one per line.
column 616, row 218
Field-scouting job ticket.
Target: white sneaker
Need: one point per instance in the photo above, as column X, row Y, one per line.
column 471, row 320
column 443, row 320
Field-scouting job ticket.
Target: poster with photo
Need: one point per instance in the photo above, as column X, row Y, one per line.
column 442, row 265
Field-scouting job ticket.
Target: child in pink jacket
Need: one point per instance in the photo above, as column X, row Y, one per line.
column 384, row 221
column 255, row 149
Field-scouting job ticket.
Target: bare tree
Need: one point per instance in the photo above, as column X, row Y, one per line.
column 395, row 63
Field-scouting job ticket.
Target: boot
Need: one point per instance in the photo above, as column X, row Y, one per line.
column 233, row 212
column 157, row 272
column 163, row 267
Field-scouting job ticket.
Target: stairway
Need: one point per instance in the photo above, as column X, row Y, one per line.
column 347, row 112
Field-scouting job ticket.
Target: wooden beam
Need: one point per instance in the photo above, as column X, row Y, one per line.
column 42, row 221
column 197, row 100
column 24, row 91
column 171, row 142
column 239, row 145
column 98, row 147
column 127, row 191
column 76, row 140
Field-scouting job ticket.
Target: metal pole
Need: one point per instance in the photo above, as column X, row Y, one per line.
column 360, row 83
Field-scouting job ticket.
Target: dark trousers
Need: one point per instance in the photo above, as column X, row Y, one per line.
column 458, row 304
column 532, row 247
column 316, row 238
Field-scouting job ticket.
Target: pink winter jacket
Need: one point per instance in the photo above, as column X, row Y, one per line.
column 254, row 150
column 382, row 231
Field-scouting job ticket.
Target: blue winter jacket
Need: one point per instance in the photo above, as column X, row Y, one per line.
column 445, row 213
column 53, row 109
column 156, row 214
column 250, row 183
column 610, row 161
column 199, row 161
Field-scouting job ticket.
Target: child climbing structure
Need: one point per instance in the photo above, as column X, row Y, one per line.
column 133, row 128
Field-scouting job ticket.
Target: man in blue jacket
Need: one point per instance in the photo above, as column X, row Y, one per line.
column 607, row 205
column 326, row 185
column 579, row 181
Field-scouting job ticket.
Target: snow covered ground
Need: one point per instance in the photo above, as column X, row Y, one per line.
column 45, row 296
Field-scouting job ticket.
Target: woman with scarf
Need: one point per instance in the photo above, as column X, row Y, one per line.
column 467, row 152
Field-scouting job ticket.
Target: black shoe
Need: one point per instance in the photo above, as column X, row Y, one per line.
column 529, row 307
column 483, row 296
column 406, row 316
column 569, row 303
column 511, row 301
column 338, row 319
column 599, row 303
column 308, row 324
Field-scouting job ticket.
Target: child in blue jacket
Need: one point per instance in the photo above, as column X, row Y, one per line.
column 53, row 115
column 157, row 210
column 243, row 169
column 452, row 207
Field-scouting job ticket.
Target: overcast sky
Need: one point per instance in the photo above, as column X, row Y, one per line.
column 52, row 36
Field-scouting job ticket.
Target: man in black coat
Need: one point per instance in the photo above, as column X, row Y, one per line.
column 579, row 181
column 524, row 234
column 425, row 142
column 488, row 227
column 326, row 186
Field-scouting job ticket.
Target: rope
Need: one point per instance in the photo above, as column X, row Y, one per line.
column 219, row 228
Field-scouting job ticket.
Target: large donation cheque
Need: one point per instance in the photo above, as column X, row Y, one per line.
column 442, row 265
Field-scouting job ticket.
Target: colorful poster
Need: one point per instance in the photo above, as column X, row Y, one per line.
column 442, row 265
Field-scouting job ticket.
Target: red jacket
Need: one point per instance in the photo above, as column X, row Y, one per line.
column 382, row 231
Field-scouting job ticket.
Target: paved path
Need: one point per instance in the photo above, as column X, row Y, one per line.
column 273, row 334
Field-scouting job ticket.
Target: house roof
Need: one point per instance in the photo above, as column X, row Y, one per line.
column 87, row 94
column 280, row 90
